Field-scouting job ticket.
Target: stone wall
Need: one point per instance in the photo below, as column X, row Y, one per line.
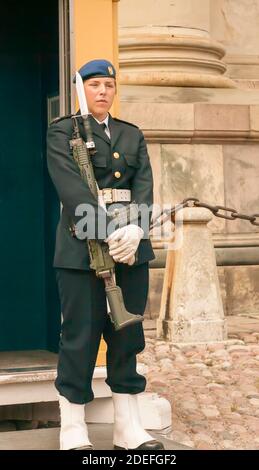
column 235, row 25
column 185, row 70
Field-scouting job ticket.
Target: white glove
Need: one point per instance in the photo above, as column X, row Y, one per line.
column 123, row 243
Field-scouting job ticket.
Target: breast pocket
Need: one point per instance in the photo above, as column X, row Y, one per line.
column 132, row 160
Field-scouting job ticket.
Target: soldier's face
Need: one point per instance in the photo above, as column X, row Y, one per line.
column 100, row 92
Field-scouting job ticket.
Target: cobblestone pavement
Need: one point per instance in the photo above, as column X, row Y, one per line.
column 213, row 389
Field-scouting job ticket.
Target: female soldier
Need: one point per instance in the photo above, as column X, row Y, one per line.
column 121, row 164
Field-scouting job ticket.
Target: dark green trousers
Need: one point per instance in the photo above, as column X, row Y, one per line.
column 85, row 319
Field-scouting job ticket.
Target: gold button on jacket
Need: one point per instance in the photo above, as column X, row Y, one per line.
column 117, row 174
column 116, row 155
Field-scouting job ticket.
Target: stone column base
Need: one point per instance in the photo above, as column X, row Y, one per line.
column 166, row 60
column 192, row 332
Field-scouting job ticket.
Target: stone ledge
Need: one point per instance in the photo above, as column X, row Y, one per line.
column 177, row 79
column 38, row 375
column 194, row 122
column 227, row 256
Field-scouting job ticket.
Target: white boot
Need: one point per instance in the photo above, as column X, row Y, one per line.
column 73, row 430
column 128, row 430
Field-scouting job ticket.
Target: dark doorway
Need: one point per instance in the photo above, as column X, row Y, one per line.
column 29, row 208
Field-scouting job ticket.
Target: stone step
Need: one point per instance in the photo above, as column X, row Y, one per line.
column 48, row 439
column 37, row 385
column 28, row 377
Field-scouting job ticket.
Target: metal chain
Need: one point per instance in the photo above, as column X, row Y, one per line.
column 194, row 202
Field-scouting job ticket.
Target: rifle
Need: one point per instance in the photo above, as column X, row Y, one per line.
column 100, row 259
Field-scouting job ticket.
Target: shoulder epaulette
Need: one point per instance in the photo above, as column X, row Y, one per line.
column 60, row 118
column 125, row 122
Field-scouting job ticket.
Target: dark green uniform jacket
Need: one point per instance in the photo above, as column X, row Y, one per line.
column 132, row 168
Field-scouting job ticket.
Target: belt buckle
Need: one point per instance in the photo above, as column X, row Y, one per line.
column 107, row 195
column 114, row 195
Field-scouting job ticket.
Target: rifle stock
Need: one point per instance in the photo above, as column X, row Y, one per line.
column 120, row 317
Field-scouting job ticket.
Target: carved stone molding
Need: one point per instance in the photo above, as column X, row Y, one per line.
column 199, row 136
column 166, row 60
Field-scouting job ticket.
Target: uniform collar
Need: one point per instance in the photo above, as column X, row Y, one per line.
column 95, row 127
column 105, row 121
column 114, row 127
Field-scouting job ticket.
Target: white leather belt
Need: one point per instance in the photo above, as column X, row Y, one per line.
column 115, row 195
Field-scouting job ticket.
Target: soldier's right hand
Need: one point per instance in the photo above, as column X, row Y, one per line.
column 124, row 242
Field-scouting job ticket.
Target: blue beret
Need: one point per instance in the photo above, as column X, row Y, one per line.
column 97, row 68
